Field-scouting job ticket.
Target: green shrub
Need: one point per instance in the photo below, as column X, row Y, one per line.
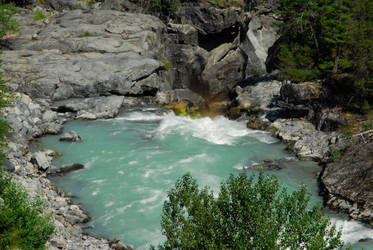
column 22, row 224
column 39, row 15
column 250, row 213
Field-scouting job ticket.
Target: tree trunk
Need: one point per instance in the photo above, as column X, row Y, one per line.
column 336, row 60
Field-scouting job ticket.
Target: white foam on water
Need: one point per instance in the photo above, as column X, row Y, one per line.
column 140, row 116
column 107, row 219
column 219, row 130
column 192, row 158
column 147, row 173
column 109, row 204
column 132, row 162
column 239, row 166
column 156, row 194
column 352, row 231
column 98, row 181
column 121, row 172
column 91, row 162
column 94, row 193
column 122, row 209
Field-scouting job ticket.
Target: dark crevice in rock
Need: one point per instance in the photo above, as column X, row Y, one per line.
column 212, row 41
column 62, row 109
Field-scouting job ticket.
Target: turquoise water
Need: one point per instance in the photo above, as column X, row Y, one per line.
column 133, row 160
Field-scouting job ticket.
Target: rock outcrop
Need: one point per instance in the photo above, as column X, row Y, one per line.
column 348, row 182
column 86, row 54
column 93, row 108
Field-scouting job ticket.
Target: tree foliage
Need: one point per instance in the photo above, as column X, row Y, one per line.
column 248, row 214
column 327, row 38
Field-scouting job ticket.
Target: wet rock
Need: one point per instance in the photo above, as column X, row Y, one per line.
column 118, row 245
column 42, row 160
column 65, row 168
column 71, row 136
column 265, row 165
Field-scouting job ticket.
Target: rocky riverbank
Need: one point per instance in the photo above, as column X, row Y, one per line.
column 97, row 58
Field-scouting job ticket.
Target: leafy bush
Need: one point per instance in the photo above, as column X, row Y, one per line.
column 248, row 214
column 22, row 224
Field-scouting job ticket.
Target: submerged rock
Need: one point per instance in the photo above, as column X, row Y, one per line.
column 118, row 245
column 65, row 168
column 266, row 165
column 71, row 136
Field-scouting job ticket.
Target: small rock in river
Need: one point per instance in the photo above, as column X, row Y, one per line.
column 71, row 136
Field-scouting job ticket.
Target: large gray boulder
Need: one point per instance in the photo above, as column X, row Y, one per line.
column 224, row 69
column 260, row 37
column 93, row 108
column 190, row 61
column 262, row 94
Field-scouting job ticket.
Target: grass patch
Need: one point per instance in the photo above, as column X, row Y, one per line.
column 39, row 15
column 86, row 34
column 167, row 64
